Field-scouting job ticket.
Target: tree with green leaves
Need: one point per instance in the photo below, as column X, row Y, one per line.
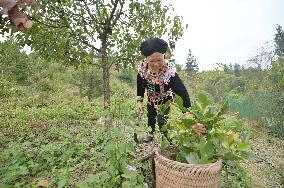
column 226, row 68
column 77, row 31
column 237, row 69
column 191, row 65
column 276, row 73
column 279, row 40
column 231, row 67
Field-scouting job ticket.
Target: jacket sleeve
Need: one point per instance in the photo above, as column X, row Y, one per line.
column 178, row 88
column 140, row 86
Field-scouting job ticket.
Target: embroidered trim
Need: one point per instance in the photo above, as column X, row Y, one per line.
column 169, row 72
column 156, row 98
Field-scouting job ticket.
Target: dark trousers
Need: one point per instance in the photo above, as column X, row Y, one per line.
column 153, row 117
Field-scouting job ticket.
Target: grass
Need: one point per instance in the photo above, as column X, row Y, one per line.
column 52, row 132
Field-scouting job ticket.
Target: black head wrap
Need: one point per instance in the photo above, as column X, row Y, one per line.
column 153, row 45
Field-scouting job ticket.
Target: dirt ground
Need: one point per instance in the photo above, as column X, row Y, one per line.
column 268, row 170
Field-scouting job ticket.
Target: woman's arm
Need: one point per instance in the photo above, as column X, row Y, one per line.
column 140, row 87
column 178, row 88
column 140, row 93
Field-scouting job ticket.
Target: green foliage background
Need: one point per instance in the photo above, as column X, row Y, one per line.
column 52, row 120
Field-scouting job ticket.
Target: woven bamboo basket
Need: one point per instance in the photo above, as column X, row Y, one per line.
column 173, row 174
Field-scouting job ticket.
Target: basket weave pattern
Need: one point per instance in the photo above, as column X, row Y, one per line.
column 173, row 174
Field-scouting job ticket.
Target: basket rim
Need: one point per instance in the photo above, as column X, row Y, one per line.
column 159, row 156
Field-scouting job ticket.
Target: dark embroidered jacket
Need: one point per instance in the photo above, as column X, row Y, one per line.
column 162, row 89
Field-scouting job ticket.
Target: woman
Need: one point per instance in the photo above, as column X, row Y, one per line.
column 159, row 77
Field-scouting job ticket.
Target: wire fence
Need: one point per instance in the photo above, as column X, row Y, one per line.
column 265, row 107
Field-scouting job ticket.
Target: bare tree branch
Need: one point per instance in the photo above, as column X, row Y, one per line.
column 117, row 16
column 92, row 16
column 81, row 39
column 108, row 22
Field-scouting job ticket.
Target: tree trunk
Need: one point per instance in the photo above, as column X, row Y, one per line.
column 106, row 74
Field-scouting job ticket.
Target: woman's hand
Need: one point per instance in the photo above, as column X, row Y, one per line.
column 140, row 107
column 200, row 129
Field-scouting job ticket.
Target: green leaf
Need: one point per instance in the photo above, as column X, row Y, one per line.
column 126, row 176
column 164, row 107
column 129, row 148
column 62, row 182
column 91, row 178
column 225, row 107
column 215, row 141
column 23, row 170
column 210, row 112
column 231, row 122
column 188, row 122
column 116, row 132
column 209, row 149
column 197, row 111
column 231, row 156
column 206, row 150
column 121, row 148
column 203, row 154
column 192, row 158
column 109, row 147
column 243, row 146
column 164, row 144
column 178, row 100
column 203, row 100
column 226, row 145
column 164, row 127
column 231, row 139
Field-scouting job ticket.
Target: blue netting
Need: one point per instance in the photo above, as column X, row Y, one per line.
column 265, row 107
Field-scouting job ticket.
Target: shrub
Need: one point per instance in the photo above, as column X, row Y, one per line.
column 89, row 81
column 6, row 88
column 126, row 76
column 14, row 63
column 222, row 139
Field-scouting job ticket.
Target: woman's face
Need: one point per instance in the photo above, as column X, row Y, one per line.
column 156, row 63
